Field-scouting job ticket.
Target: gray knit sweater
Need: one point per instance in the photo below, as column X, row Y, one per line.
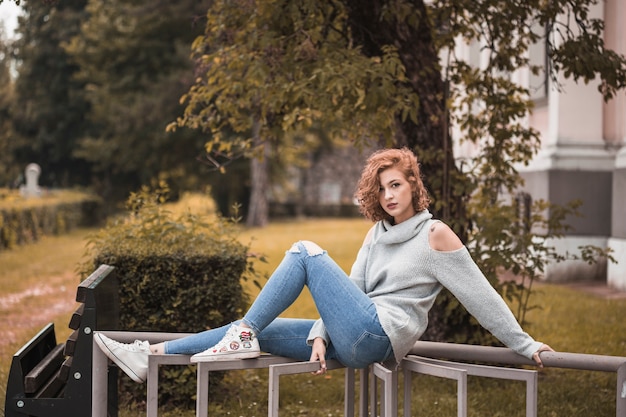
column 402, row 274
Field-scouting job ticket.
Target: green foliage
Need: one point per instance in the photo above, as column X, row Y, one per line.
column 525, row 247
column 134, row 62
column 281, row 63
column 24, row 221
column 171, row 264
column 377, row 74
column 177, row 274
column 49, row 108
column 9, row 170
column 276, row 71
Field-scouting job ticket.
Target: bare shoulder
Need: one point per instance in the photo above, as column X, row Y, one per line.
column 442, row 238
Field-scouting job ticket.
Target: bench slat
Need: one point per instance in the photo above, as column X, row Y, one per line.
column 92, row 282
column 52, row 387
column 36, row 349
column 76, row 317
column 44, row 370
column 64, row 372
column 70, row 343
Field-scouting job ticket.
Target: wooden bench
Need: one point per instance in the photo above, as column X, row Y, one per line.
column 53, row 379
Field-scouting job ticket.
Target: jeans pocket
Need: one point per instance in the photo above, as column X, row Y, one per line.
column 370, row 348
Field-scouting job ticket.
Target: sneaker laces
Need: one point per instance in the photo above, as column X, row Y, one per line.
column 136, row 346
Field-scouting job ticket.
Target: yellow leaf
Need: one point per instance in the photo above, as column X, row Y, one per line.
column 361, row 93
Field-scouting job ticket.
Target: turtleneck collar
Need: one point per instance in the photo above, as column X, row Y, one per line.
column 388, row 233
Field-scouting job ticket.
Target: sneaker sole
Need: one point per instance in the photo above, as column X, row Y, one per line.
column 225, row 357
column 109, row 354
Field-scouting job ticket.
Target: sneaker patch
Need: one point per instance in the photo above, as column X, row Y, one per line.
column 247, row 345
column 245, row 336
column 234, row 345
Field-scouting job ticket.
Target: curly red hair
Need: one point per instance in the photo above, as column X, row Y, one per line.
column 367, row 192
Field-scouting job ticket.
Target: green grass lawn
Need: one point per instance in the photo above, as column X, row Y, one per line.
column 569, row 320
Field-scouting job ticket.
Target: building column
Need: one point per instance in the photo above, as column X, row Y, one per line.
column 615, row 133
column 616, row 272
column 574, row 163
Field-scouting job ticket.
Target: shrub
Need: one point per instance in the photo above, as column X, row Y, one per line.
column 177, row 274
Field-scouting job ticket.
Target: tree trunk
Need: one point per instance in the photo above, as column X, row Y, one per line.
column 258, row 211
column 428, row 137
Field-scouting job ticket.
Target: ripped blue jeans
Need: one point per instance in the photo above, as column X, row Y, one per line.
column 349, row 315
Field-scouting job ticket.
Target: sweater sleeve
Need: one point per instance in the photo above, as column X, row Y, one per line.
column 457, row 271
column 318, row 330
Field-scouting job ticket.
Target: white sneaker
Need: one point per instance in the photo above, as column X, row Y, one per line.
column 132, row 358
column 238, row 343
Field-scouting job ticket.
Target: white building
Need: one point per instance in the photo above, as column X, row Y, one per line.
column 583, row 156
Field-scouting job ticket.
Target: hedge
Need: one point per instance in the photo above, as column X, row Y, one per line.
column 176, row 275
column 26, row 220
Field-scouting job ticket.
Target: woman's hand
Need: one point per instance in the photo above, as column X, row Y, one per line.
column 319, row 354
column 537, row 358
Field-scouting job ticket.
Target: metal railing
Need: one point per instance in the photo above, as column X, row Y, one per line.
column 423, row 349
column 459, row 372
column 505, row 356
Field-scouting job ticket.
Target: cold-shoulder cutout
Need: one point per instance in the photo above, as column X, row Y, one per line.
column 441, row 238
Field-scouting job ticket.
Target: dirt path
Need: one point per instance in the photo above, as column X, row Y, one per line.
column 35, row 307
column 37, row 286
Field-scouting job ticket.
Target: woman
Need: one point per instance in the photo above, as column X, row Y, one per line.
column 374, row 315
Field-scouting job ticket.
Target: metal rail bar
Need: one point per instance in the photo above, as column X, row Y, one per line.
column 275, row 371
column 490, row 354
column 527, row 376
column 412, row 364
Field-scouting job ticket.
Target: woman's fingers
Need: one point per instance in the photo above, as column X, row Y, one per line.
column 319, row 354
column 537, row 357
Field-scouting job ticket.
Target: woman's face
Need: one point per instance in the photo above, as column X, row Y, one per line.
column 395, row 195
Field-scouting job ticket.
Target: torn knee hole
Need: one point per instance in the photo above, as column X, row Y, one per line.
column 294, row 248
column 312, row 249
